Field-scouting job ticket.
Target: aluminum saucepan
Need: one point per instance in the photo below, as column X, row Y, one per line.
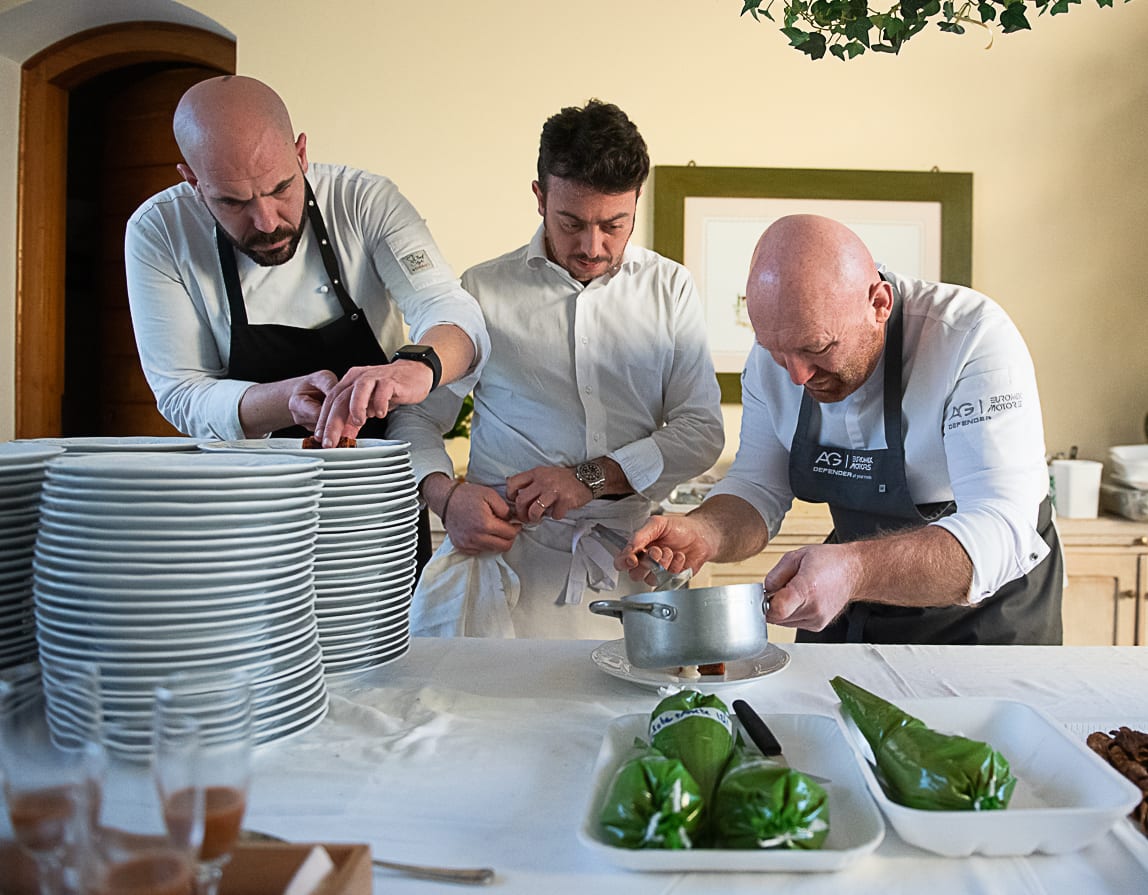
column 694, row 626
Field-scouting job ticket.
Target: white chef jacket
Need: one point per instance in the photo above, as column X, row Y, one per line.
column 972, row 428
column 390, row 265
column 619, row 367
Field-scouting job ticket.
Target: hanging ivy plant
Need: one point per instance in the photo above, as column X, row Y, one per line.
column 847, row 28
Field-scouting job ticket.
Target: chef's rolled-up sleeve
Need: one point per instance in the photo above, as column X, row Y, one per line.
column 177, row 346
column 759, row 474
column 418, row 278
column 994, row 449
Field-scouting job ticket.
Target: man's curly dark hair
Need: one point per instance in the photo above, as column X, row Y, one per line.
column 597, row 146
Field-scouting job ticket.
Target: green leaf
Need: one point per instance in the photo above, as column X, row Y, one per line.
column 988, row 12
column 1013, row 18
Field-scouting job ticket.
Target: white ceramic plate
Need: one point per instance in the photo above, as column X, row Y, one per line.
column 361, row 666
column 226, row 526
column 611, row 658
column 80, row 443
column 366, row 449
column 20, row 455
column 180, row 466
column 1066, row 796
column 813, row 743
column 252, row 542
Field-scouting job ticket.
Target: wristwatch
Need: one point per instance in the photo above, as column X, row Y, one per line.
column 591, row 475
column 424, row 354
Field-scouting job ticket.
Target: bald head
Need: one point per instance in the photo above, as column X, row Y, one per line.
column 818, row 304
column 228, row 128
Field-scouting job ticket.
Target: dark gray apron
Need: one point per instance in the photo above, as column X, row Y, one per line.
column 868, row 495
column 271, row 352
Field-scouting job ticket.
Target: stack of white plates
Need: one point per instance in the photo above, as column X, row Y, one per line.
column 21, row 475
column 1129, row 465
column 152, row 563
column 365, row 551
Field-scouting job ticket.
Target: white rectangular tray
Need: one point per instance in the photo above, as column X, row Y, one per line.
column 1065, row 798
column 812, row 743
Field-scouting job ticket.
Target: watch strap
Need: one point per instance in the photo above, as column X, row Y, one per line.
column 424, row 354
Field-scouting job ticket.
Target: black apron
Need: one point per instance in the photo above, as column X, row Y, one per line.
column 271, row 352
column 868, row 495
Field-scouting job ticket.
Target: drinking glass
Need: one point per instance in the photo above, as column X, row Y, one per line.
column 50, row 761
column 221, row 705
column 133, row 848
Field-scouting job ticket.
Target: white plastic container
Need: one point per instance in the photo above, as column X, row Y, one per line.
column 1066, row 796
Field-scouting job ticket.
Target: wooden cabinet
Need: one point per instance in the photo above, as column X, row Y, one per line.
column 1106, row 559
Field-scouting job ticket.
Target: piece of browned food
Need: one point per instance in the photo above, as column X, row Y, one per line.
column 312, row 443
column 1127, row 751
column 712, row 668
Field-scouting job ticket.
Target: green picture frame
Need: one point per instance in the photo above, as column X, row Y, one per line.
column 673, row 184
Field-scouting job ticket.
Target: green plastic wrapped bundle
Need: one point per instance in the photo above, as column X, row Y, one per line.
column 922, row 768
column 697, row 730
column 653, row 802
column 762, row 804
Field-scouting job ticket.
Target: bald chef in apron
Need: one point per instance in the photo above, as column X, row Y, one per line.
column 911, row 409
column 268, row 295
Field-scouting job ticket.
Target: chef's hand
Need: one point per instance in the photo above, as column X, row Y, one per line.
column 477, row 519
column 365, row 392
column 675, row 542
column 809, row 587
column 306, row 401
column 546, row 491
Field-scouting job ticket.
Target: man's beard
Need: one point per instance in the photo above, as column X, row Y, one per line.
column 251, row 246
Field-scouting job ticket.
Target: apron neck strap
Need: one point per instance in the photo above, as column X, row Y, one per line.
column 226, row 252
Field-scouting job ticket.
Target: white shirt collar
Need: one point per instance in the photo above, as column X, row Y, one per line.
column 536, row 256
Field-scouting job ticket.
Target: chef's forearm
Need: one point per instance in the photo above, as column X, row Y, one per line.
column 454, row 348
column 925, row 567
column 265, row 407
column 731, row 527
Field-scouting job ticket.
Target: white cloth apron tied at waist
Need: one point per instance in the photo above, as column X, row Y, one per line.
column 467, row 595
column 592, row 563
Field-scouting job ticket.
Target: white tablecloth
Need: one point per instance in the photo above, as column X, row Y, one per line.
column 479, row 753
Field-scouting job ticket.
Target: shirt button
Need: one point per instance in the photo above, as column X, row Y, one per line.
column 597, row 437
column 324, row 288
column 1033, row 556
column 585, row 341
column 588, row 390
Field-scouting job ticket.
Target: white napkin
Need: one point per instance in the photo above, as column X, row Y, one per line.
column 311, row 872
column 460, row 595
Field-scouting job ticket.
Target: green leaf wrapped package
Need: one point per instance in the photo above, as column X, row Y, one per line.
column 697, row 730
column 923, row 768
column 762, row 804
column 653, row 802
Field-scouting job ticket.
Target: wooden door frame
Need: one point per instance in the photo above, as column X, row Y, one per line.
column 41, row 205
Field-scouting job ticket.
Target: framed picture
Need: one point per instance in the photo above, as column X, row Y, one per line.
column 918, row 223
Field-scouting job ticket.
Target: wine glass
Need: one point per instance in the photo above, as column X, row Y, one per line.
column 221, row 705
column 134, row 850
column 50, row 761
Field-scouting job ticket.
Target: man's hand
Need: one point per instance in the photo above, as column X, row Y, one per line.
column 675, row 542
column 365, row 392
column 479, row 520
column 306, row 400
column 809, row 587
column 546, row 491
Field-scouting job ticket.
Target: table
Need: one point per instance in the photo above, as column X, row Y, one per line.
column 479, row 752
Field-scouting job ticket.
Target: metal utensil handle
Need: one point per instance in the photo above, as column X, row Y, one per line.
column 617, row 607
column 478, row 876
column 663, row 578
column 757, row 729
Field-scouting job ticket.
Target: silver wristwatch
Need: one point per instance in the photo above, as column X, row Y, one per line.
column 592, row 476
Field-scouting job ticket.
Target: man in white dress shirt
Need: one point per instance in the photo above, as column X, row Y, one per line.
column 598, row 398
column 909, row 407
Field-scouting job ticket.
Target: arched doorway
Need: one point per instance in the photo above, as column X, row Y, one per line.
column 124, row 80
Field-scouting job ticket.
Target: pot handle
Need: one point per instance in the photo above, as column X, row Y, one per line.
column 617, row 607
column 765, row 597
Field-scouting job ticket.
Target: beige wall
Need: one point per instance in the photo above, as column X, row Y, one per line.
column 1052, row 124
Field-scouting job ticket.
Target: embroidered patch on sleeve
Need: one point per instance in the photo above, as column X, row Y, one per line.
column 416, row 262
